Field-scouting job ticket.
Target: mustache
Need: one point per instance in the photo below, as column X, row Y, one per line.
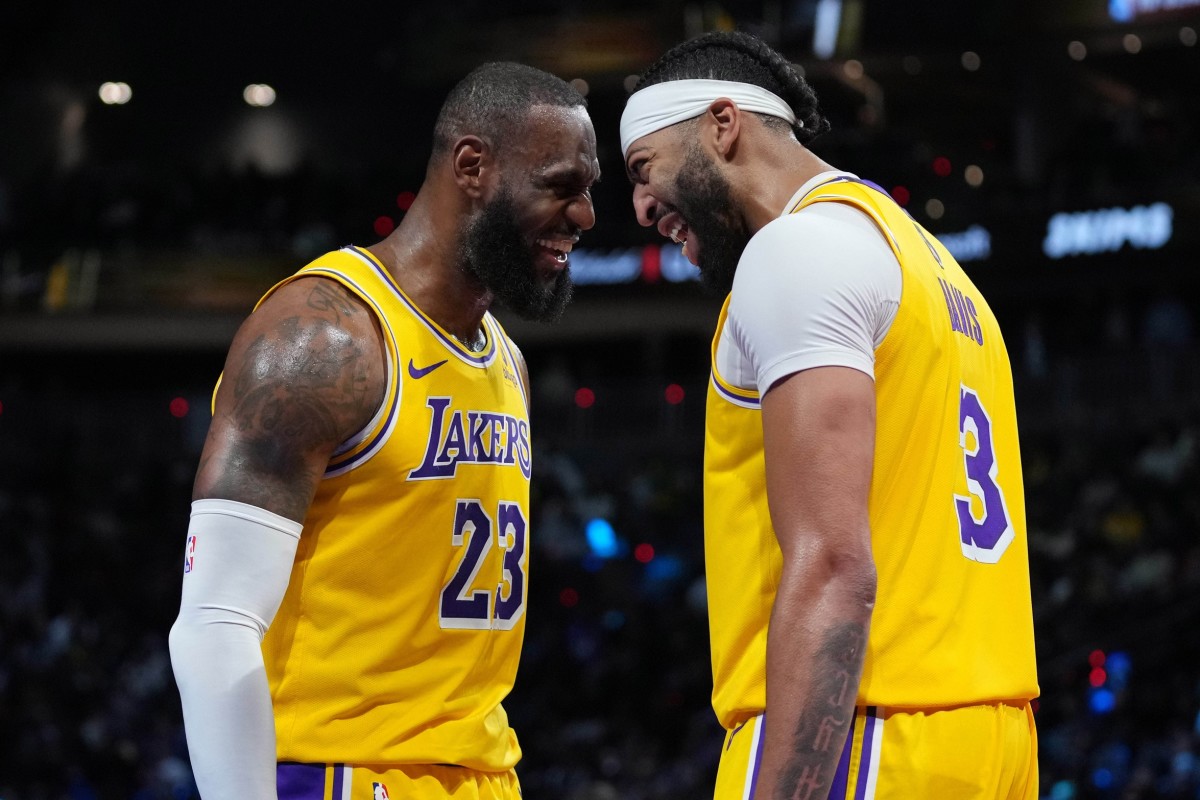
column 662, row 210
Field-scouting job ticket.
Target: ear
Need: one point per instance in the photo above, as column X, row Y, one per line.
column 724, row 126
column 472, row 165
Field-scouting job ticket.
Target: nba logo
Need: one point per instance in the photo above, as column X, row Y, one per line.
column 189, row 557
column 380, row 792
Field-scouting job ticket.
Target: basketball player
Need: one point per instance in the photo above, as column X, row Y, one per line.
column 868, row 577
column 363, row 494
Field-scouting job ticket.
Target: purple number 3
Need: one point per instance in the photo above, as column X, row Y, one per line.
column 987, row 536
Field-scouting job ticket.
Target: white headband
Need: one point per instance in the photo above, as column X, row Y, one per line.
column 663, row 104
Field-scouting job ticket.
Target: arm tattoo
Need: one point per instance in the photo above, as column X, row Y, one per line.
column 330, row 296
column 301, row 388
column 825, row 719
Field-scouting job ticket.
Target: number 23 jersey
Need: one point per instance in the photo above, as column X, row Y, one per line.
column 402, row 624
column 952, row 623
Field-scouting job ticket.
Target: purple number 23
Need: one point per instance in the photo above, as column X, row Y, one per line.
column 984, row 537
column 465, row 608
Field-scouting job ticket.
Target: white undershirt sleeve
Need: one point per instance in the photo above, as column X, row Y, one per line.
column 816, row 288
column 236, row 570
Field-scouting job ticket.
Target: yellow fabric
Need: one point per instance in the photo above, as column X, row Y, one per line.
column 740, row 756
column 981, row 752
column 953, row 620
column 401, row 628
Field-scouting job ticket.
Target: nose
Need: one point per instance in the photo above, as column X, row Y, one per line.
column 644, row 205
column 582, row 213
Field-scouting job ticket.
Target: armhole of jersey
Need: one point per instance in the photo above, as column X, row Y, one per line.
column 359, row 448
column 745, row 398
column 505, row 345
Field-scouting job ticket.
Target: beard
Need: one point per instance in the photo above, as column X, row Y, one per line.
column 495, row 252
column 705, row 200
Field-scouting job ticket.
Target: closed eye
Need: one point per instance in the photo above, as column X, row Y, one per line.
column 635, row 171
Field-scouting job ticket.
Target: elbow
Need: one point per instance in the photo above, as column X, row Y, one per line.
column 854, row 579
column 861, row 584
column 848, row 573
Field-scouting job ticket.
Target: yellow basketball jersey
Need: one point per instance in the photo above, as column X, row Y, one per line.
column 953, row 621
column 401, row 628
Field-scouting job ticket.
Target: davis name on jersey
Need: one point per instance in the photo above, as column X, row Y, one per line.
column 471, row 437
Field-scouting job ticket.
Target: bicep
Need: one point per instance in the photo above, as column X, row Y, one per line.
column 304, row 372
column 819, row 440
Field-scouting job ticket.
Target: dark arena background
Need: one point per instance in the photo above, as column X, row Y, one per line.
column 162, row 164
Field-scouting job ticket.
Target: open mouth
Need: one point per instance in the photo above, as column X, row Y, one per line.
column 673, row 226
column 559, row 249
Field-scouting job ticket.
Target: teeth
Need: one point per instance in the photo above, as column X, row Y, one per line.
column 563, row 246
column 675, row 233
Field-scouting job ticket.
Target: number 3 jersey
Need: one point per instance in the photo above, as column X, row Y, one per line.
column 952, row 623
column 401, row 627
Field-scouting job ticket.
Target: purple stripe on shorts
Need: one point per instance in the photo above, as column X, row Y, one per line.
column 762, row 736
column 837, row 791
column 300, row 781
column 338, row 770
column 864, row 764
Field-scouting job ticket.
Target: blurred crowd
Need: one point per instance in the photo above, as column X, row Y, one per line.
column 612, row 697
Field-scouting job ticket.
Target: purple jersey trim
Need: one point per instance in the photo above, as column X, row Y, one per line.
column 338, row 467
column 480, row 360
column 337, row 464
column 338, row 776
column 733, row 397
column 512, row 360
column 300, row 781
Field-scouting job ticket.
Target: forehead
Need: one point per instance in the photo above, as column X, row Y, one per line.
column 556, row 136
column 662, row 142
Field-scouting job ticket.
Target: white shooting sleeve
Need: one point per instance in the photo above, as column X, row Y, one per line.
column 236, row 570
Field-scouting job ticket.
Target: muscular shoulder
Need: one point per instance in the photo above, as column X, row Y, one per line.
column 312, row 344
column 305, row 371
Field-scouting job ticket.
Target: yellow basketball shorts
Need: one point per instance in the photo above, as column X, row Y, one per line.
column 981, row 752
column 407, row 782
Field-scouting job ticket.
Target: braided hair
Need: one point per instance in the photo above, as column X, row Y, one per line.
column 737, row 56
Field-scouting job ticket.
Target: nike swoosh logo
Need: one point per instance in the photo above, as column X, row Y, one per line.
column 423, row 371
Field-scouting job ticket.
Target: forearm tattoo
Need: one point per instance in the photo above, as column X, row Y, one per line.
column 826, row 716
